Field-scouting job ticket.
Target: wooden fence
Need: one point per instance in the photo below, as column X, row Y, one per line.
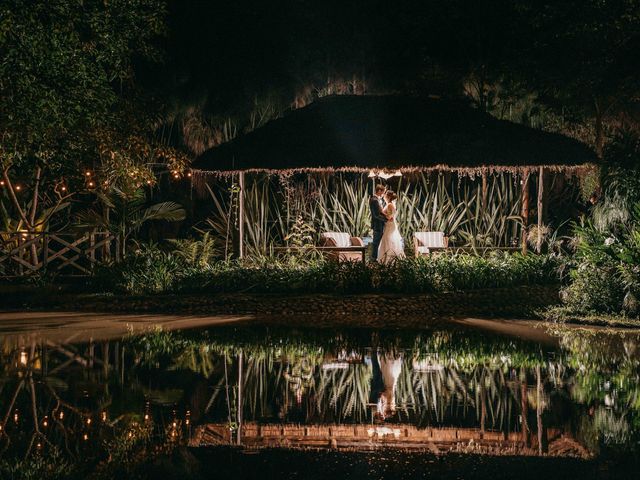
column 65, row 253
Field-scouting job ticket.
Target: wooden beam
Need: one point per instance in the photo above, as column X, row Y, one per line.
column 540, row 207
column 525, row 209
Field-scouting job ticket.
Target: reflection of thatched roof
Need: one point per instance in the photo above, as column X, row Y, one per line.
column 400, row 436
column 362, row 132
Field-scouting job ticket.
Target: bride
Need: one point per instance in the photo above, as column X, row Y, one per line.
column 391, row 246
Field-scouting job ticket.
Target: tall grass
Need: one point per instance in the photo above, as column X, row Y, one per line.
column 339, row 202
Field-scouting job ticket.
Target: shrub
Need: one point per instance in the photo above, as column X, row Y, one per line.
column 146, row 270
column 422, row 275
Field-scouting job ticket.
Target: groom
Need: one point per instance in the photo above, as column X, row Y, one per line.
column 378, row 219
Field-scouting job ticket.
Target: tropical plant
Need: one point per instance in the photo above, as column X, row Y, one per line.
column 123, row 214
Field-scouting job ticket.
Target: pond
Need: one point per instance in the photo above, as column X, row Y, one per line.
column 255, row 399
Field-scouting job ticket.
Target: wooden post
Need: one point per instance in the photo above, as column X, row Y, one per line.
column 485, row 190
column 239, row 432
column 540, row 208
column 524, row 407
column 241, row 217
column 540, row 426
column 525, row 209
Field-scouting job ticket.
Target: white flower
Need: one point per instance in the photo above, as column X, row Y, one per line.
column 609, row 241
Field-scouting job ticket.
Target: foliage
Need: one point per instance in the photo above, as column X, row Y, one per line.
column 145, row 270
column 605, row 278
column 149, row 270
column 197, row 253
column 124, row 214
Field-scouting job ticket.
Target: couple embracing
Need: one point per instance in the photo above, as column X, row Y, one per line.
column 387, row 242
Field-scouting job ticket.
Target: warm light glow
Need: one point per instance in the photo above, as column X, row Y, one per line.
column 24, row 358
column 45, row 422
column 91, row 184
column 148, row 182
column 88, row 174
column 85, row 437
column 104, row 416
column 1, row 182
column 61, row 415
column 63, row 188
column 15, row 417
column 189, row 174
column 88, row 421
column 18, row 188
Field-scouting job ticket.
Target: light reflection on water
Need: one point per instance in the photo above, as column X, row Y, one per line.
column 93, row 400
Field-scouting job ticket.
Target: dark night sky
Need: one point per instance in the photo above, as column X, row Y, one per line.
column 230, row 51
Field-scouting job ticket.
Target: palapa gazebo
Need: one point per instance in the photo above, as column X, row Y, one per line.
column 381, row 135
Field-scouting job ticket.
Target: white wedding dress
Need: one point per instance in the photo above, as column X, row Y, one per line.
column 391, row 245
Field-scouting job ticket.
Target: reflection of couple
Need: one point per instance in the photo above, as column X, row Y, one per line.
column 387, row 242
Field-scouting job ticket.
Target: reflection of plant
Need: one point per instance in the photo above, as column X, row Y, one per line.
column 36, row 467
column 346, row 391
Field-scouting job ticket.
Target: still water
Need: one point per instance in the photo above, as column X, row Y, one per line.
column 259, row 400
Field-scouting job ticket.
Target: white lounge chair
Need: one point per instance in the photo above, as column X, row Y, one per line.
column 425, row 243
column 353, row 246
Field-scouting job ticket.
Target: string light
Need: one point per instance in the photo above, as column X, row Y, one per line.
column 63, row 188
column 15, row 416
column 104, row 416
column 189, row 174
column 1, row 183
column 91, row 184
column 45, row 422
column 88, row 421
column 87, row 173
column 18, row 188
column 85, row 437
column 23, row 355
column 61, row 416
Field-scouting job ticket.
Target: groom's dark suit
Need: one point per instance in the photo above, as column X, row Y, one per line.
column 378, row 221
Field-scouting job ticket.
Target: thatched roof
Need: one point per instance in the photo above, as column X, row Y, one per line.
column 357, row 133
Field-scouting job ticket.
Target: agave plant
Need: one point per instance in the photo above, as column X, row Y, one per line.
column 124, row 214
